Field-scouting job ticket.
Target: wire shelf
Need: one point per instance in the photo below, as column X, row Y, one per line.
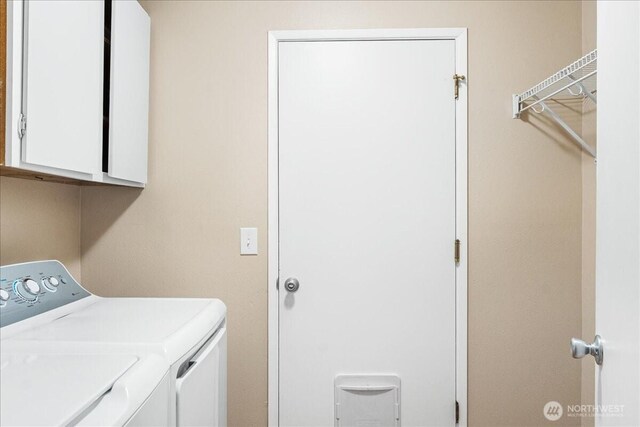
column 577, row 80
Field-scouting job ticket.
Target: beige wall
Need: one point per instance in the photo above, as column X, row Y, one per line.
column 588, row 218
column 39, row 220
column 207, row 178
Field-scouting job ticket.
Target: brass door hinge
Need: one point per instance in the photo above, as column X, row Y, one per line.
column 457, row 412
column 457, row 251
column 456, row 84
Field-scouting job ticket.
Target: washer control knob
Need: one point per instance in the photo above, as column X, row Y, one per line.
column 4, row 295
column 28, row 289
column 50, row 283
column 31, row 286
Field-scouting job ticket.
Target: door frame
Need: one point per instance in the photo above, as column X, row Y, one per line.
column 459, row 36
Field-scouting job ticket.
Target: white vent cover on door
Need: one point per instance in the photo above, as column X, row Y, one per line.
column 367, row 400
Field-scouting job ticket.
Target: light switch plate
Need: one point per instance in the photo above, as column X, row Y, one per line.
column 248, row 241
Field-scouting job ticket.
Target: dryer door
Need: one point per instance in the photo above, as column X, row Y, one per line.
column 201, row 388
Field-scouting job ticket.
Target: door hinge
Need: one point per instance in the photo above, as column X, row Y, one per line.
column 456, row 84
column 22, row 125
column 457, row 412
column 456, row 254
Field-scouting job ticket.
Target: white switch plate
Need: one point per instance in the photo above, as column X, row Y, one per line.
column 248, row 241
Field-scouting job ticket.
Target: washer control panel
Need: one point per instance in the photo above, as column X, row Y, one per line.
column 32, row 288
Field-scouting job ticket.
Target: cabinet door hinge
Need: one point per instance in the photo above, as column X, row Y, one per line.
column 457, row 412
column 22, row 125
column 456, row 85
column 456, row 254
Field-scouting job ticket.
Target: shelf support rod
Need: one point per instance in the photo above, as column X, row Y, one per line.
column 586, row 147
column 584, row 89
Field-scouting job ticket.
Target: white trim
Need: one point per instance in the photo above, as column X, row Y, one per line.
column 382, row 34
column 461, row 227
column 273, row 238
column 459, row 35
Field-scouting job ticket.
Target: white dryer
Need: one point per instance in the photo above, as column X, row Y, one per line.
column 189, row 334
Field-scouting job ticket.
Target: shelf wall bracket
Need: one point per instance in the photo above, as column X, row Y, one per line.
column 516, row 106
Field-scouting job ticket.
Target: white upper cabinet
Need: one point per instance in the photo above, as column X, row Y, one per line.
column 129, row 92
column 62, row 87
column 78, row 90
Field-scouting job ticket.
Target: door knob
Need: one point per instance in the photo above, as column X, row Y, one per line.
column 580, row 349
column 291, row 284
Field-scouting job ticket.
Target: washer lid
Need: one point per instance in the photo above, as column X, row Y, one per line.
column 39, row 390
column 167, row 326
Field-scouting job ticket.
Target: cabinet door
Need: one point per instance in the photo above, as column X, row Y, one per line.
column 62, row 84
column 129, row 92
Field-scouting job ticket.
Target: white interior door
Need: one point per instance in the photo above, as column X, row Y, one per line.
column 618, row 213
column 62, row 90
column 367, row 224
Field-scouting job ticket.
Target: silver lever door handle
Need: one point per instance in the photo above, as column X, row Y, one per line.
column 291, row 284
column 580, row 349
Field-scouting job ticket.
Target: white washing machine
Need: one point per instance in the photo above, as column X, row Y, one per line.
column 188, row 334
column 39, row 388
column 44, row 385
